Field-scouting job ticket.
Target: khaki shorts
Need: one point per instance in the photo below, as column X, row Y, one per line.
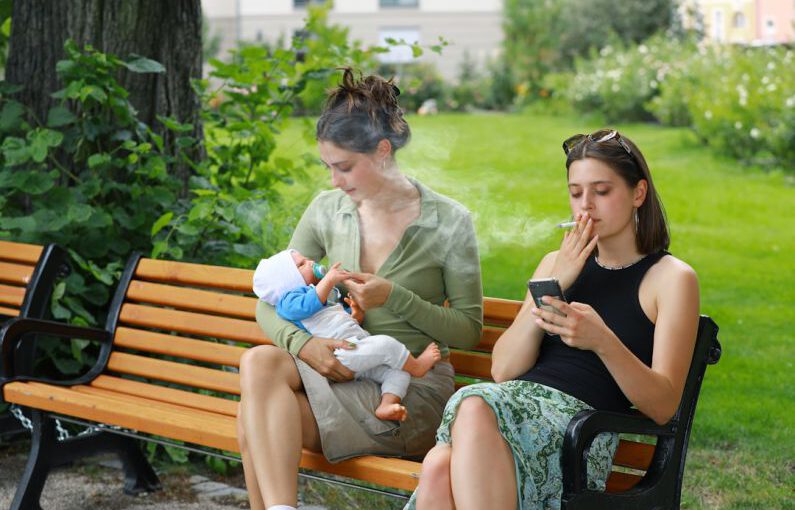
column 345, row 414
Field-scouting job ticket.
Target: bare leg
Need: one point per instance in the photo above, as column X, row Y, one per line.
column 434, row 491
column 482, row 468
column 420, row 365
column 274, row 422
column 391, row 409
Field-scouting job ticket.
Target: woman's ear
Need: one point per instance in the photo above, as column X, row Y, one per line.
column 639, row 194
column 383, row 149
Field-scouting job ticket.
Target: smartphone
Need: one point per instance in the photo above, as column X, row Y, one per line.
column 546, row 287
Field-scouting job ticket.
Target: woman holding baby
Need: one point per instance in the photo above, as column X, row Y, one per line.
column 409, row 251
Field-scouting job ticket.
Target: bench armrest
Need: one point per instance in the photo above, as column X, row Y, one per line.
column 582, row 430
column 15, row 330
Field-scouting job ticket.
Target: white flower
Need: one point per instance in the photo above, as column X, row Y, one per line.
column 772, row 87
column 771, row 66
column 738, row 125
column 642, row 49
column 765, row 80
column 653, row 84
column 708, row 114
column 754, row 133
column 615, row 87
column 790, row 102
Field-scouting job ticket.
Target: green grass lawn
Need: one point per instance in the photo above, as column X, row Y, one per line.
column 734, row 225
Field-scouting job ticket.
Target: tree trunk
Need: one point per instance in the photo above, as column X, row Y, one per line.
column 166, row 31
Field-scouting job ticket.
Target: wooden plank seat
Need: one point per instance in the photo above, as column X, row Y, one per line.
column 27, row 275
column 168, row 368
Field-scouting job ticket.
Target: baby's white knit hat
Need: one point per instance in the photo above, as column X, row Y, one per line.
column 275, row 276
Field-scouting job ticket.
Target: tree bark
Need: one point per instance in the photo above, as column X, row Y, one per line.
column 166, row 31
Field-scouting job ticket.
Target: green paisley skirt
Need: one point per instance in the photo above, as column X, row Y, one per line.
column 532, row 419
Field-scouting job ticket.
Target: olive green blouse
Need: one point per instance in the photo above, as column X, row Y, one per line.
column 435, row 261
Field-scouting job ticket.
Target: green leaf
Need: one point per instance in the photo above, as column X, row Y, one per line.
column 416, row 50
column 67, row 366
column 57, row 292
column 40, row 142
column 158, row 247
column 11, row 115
column 77, row 348
column 23, row 223
column 173, row 125
column 144, row 65
column 60, row 116
column 7, row 88
column 60, row 312
column 15, row 151
column 100, row 159
column 79, row 213
column 178, row 455
column 161, row 222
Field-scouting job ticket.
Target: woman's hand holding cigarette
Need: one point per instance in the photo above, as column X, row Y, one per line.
column 576, row 247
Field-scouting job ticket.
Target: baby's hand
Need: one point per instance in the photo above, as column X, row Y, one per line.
column 337, row 274
column 356, row 311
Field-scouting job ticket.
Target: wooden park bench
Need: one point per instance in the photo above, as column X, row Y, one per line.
column 27, row 275
column 167, row 372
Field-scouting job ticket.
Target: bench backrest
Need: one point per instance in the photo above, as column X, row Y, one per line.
column 188, row 324
column 27, row 273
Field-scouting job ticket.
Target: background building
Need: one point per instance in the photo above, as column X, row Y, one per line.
column 753, row 22
column 471, row 27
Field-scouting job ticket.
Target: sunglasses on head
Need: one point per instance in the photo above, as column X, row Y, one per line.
column 601, row 136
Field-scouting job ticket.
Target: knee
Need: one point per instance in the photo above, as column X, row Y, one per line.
column 436, row 466
column 475, row 416
column 262, row 366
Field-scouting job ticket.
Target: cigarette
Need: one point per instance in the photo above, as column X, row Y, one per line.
column 566, row 224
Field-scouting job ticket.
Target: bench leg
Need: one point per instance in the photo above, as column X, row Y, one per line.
column 10, row 428
column 139, row 477
column 38, row 466
column 46, row 452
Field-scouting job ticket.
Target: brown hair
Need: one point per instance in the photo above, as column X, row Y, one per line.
column 652, row 228
column 359, row 113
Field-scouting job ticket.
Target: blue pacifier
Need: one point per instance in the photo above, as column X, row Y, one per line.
column 318, row 270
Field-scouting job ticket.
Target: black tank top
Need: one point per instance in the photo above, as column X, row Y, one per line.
column 613, row 293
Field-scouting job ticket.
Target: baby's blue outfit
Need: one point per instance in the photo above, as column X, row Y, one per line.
column 376, row 357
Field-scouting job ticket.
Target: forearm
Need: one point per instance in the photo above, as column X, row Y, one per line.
column 323, row 288
column 650, row 392
column 281, row 332
column 454, row 326
column 517, row 349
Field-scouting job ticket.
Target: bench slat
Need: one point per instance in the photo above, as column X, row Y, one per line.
column 488, row 338
column 500, row 311
column 619, row 482
column 20, row 252
column 179, row 373
column 185, row 273
column 174, row 423
column 9, row 312
column 471, row 364
column 177, row 346
column 633, row 454
column 10, row 295
column 17, row 274
column 391, row 472
column 196, row 300
column 166, row 394
column 192, row 323
column 155, row 406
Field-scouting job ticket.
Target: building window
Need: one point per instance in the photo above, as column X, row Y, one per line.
column 399, row 3
column 739, row 20
column 301, row 4
column 717, row 25
column 397, row 54
column 770, row 27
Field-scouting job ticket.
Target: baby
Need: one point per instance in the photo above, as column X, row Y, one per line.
column 303, row 295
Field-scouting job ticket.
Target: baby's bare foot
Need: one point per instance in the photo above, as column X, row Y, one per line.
column 420, row 365
column 394, row 412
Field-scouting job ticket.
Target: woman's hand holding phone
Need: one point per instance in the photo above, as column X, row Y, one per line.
column 576, row 247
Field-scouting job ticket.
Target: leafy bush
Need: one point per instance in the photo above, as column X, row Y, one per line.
column 742, row 102
column 619, row 81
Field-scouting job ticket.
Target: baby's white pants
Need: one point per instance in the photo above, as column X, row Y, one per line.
column 379, row 358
